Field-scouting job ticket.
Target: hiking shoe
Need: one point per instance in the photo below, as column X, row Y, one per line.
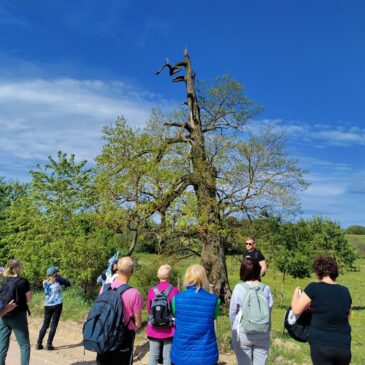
column 49, row 348
column 39, row 346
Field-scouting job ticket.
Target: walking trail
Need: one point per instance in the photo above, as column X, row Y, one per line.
column 69, row 349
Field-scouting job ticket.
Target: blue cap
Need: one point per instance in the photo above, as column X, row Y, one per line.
column 52, row 270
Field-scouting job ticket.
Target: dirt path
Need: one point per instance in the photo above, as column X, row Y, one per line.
column 69, row 351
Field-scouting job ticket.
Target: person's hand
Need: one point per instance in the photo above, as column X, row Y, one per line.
column 10, row 306
column 298, row 292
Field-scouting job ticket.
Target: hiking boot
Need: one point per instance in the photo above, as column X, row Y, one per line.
column 49, row 348
column 39, row 346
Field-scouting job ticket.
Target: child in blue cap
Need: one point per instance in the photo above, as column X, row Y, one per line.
column 52, row 305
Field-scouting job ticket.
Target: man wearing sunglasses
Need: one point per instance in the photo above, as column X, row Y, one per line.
column 255, row 254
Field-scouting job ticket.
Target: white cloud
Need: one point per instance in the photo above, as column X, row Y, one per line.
column 337, row 135
column 38, row 117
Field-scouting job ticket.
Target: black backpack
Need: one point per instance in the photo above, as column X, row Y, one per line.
column 104, row 330
column 9, row 292
column 299, row 330
column 160, row 311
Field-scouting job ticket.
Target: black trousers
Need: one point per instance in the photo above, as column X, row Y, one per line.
column 52, row 314
column 322, row 355
column 123, row 356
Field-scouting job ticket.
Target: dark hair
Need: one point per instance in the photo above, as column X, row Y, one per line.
column 250, row 269
column 325, row 266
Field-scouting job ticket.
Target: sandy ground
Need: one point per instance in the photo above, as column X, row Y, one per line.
column 69, row 350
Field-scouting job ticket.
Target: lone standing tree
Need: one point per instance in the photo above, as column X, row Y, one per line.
column 203, row 179
column 195, row 169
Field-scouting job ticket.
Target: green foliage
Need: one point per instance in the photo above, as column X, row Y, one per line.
column 54, row 223
column 355, row 230
column 358, row 242
column 146, row 273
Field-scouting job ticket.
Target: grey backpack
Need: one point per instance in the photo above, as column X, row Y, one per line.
column 254, row 315
column 161, row 313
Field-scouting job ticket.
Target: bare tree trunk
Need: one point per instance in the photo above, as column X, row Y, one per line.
column 204, row 177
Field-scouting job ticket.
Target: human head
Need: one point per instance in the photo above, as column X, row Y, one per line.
column 164, row 271
column 250, row 269
column 250, row 243
column 325, row 266
column 52, row 271
column 126, row 266
column 13, row 268
column 196, row 275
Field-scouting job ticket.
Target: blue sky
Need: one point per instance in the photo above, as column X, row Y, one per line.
column 69, row 67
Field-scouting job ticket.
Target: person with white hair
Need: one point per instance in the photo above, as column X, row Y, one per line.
column 159, row 334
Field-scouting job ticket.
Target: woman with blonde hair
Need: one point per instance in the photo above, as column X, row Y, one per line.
column 159, row 334
column 16, row 320
column 195, row 310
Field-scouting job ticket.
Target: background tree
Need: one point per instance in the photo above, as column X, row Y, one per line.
column 55, row 223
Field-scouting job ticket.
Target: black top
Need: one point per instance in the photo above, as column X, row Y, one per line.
column 255, row 255
column 331, row 304
column 22, row 287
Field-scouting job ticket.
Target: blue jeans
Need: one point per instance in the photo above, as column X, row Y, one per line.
column 155, row 346
column 19, row 324
column 251, row 349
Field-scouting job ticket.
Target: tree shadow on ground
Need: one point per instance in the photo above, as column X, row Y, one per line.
column 358, row 308
column 71, row 346
column 140, row 351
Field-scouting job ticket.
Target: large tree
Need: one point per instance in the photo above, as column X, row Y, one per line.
column 201, row 155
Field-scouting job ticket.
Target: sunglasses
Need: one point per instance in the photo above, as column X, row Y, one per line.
column 249, row 243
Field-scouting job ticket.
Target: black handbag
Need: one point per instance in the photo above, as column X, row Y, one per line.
column 299, row 330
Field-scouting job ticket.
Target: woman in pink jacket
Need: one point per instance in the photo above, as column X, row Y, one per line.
column 159, row 331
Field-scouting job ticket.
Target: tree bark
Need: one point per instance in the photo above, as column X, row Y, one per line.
column 204, row 182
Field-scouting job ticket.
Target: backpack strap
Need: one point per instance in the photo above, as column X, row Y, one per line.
column 168, row 290
column 156, row 291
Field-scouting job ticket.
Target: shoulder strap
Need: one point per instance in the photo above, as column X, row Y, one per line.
column 168, row 290
column 156, row 291
column 122, row 288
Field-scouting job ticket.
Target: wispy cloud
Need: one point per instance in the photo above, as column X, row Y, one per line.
column 334, row 135
column 39, row 117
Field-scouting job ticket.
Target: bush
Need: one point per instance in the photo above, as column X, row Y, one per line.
column 146, row 273
column 355, row 230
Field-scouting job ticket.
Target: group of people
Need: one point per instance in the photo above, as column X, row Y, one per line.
column 191, row 338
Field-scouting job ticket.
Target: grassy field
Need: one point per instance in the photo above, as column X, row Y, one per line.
column 283, row 350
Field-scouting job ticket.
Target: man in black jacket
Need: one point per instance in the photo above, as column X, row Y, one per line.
column 255, row 254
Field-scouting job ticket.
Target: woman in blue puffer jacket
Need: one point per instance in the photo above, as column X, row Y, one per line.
column 195, row 310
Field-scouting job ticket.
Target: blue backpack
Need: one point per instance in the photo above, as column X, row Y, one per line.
column 104, row 330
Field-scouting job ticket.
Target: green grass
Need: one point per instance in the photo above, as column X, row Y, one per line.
column 283, row 350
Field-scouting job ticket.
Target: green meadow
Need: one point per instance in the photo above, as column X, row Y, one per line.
column 284, row 350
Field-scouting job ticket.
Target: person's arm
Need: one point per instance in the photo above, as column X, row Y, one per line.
column 63, row 281
column 8, row 308
column 29, row 296
column 217, row 308
column 263, row 267
column 173, row 306
column 233, row 307
column 138, row 320
column 300, row 302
